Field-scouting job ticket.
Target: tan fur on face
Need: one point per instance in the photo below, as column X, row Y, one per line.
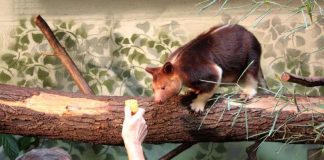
column 166, row 86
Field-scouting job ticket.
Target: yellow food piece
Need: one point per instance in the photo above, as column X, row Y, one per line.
column 132, row 103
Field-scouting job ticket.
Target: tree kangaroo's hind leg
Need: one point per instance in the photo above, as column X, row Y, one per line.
column 249, row 85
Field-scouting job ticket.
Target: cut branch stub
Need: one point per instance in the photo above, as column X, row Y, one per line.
column 305, row 81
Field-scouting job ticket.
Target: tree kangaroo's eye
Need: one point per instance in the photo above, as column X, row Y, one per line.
column 163, row 88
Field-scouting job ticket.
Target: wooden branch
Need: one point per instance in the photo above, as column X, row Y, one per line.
column 60, row 52
column 98, row 119
column 305, row 81
column 179, row 149
column 251, row 151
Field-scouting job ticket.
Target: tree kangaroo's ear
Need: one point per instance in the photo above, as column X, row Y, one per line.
column 168, row 68
column 152, row 70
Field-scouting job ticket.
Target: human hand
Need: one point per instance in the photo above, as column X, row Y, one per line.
column 134, row 127
column 133, row 133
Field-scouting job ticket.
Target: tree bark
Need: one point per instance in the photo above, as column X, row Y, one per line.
column 98, row 119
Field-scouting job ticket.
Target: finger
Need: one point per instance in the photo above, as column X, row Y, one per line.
column 143, row 135
column 139, row 113
column 142, row 126
column 128, row 112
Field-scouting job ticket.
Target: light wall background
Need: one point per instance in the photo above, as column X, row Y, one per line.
column 102, row 46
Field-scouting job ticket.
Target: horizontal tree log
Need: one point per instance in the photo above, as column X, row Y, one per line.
column 98, row 119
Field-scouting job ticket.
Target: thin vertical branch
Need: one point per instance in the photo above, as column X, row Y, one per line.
column 60, row 52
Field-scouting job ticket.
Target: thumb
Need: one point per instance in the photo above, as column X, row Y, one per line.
column 139, row 113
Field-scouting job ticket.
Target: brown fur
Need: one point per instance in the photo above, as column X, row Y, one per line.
column 219, row 55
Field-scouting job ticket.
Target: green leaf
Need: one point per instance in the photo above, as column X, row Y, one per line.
column 109, row 84
column 313, row 92
column 321, row 90
column 4, row 77
column 24, row 39
column 21, row 83
column 59, row 35
column 37, row 56
column 30, row 71
column 125, row 51
column 94, row 71
column 25, row 142
column 143, row 42
column 139, row 75
column 88, row 78
column 305, row 69
column 205, row 146
column 151, row 44
column 164, row 57
column 32, row 21
column 318, row 70
column 133, row 55
column 279, row 67
column 199, row 155
column 19, row 31
column 175, row 44
column 8, row 58
column 134, row 37
column 167, row 41
column 116, row 53
column 51, row 143
column 159, row 48
column 97, row 148
column 9, row 145
column 75, row 157
column 82, row 32
column 220, row 148
column 71, row 24
column 14, row 47
column 69, row 43
column 51, row 60
column 118, row 40
column 63, row 25
column 42, row 74
column 47, row 82
column 22, row 23
column 305, row 57
column 139, row 90
column 126, row 41
column 37, row 37
column 292, row 64
column 81, row 148
column 103, row 73
column 144, row 26
column 293, row 53
column 109, row 157
column 148, row 93
column 94, row 88
column 142, row 59
column 30, row 60
column 126, row 74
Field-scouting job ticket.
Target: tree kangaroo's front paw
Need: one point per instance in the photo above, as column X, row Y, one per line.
column 197, row 106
